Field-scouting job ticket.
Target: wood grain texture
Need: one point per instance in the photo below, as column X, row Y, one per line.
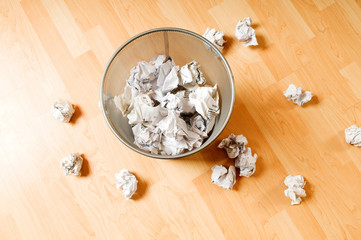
column 53, row 49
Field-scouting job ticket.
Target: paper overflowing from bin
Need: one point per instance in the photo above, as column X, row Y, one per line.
column 170, row 109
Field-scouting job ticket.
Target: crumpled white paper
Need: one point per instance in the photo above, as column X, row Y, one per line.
column 168, row 110
column 223, row 178
column 62, row 110
column 205, row 101
column 246, row 162
column 172, row 102
column 233, row 145
column 144, row 111
column 176, row 136
column 178, row 102
column 72, row 164
column 147, row 137
column 124, row 100
column 295, row 94
column 295, row 189
column 158, row 60
column 171, row 81
column 127, row 182
column 191, row 74
column 141, row 75
column 163, row 71
column 215, row 37
column 244, row 32
column 353, row 135
column 201, row 126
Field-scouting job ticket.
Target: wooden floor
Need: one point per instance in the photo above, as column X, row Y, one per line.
column 58, row 49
